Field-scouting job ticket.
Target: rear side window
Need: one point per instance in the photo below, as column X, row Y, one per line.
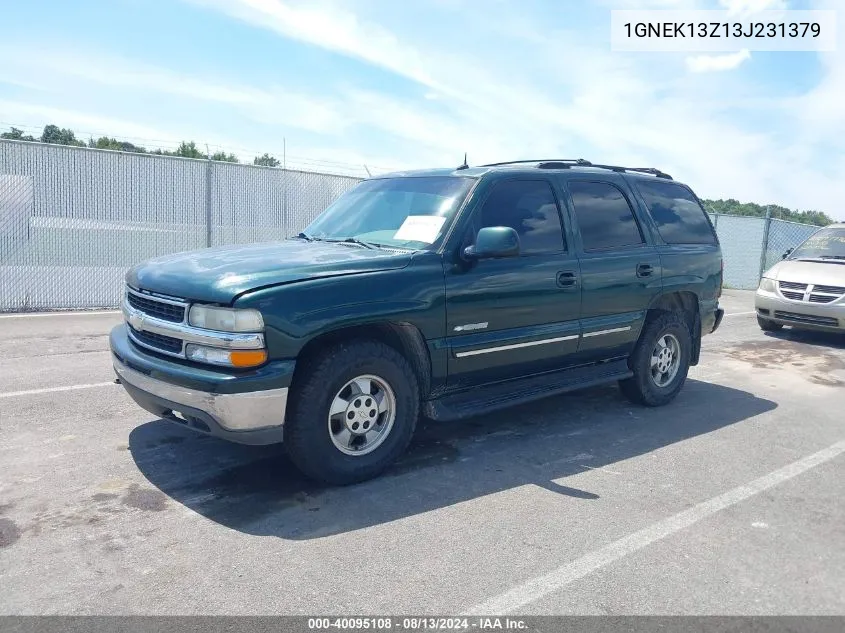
column 679, row 217
column 604, row 216
column 529, row 207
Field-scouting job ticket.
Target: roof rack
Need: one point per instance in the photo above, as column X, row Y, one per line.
column 566, row 163
column 570, row 161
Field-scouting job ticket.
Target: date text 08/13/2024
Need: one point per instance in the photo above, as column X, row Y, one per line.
column 417, row 623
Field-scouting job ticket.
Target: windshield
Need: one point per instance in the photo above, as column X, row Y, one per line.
column 397, row 212
column 825, row 244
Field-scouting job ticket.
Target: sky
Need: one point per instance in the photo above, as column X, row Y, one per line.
column 378, row 85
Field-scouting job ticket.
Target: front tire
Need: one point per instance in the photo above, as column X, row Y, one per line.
column 768, row 326
column 353, row 412
column 660, row 361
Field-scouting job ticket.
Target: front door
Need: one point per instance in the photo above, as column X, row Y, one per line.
column 514, row 316
column 620, row 272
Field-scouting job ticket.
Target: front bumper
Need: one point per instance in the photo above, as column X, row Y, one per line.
column 822, row 317
column 247, row 408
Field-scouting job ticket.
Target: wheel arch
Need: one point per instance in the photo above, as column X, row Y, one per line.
column 406, row 338
column 687, row 303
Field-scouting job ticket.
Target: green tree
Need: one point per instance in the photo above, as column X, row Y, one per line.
column 752, row 209
column 60, row 136
column 224, row 157
column 15, row 134
column 105, row 142
column 188, row 150
column 266, row 161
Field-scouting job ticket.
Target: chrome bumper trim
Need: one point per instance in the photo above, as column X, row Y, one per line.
column 250, row 411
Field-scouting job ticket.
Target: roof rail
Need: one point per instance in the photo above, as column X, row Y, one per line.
column 571, row 161
column 566, row 163
column 616, row 168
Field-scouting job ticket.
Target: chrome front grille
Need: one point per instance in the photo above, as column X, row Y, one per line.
column 821, row 299
column 810, row 293
column 834, row 290
column 160, row 323
column 156, row 307
column 157, row 341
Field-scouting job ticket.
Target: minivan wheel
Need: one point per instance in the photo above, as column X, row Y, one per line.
column 768, row 326
column 660, row 361
column 353, row 411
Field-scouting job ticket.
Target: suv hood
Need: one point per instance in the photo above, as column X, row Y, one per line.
column 219, row 274
column 830, row 273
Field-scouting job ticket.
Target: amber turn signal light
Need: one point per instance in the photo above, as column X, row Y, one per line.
column 247, row 358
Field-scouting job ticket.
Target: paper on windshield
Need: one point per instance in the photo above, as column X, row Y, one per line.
column 420, row 228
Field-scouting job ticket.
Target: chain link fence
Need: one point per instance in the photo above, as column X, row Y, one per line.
column 751, row 245
column 73, row 220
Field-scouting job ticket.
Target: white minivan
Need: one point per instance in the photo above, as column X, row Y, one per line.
column 807, row 288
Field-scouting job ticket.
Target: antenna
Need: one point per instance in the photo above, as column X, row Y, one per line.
column 465, row 165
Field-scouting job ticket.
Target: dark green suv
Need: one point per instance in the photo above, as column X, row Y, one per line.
column 444, row 293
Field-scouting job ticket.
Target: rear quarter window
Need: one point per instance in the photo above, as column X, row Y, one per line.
column 678, row 215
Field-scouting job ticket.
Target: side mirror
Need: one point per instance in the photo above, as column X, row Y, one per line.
column 494, row 241
column 787, row 253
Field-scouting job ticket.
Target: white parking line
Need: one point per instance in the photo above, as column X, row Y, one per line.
column 541, row 586
column 27, row 315
column 30, row 392
column 727, row 314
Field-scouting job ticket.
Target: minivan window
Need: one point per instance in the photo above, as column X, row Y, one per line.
column 530, row 208
column 824, row 244
column 604, row 216
column 678, row 215
column 402, row 212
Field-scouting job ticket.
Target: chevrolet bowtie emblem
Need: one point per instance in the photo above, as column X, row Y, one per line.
column 137, row 322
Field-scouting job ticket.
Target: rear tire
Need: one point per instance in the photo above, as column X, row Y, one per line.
column 660, row 361
column 768, row 326
column 354, row 409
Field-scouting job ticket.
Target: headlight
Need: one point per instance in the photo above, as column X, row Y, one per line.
column 226, row 319
column 226, row 357
column 767, row 285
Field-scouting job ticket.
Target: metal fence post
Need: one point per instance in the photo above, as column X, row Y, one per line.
column 766, row 227
column 208, row 176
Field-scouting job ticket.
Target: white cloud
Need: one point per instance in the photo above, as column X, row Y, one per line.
column 507, row 85
column 55, row 70
column 331, row 27
column 83, row 123
column 713, row 63
column 520, row 96
column 748, row 7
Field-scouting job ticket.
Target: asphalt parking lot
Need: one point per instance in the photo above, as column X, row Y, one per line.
column 728, row 501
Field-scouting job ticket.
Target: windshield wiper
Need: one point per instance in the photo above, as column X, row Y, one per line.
column 304, row 236
column 354, row 240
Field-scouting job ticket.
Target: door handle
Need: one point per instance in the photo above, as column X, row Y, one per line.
column 567, row 279
column 644, row 270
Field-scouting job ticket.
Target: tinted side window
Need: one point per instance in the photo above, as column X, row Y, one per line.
column 529, row 207
column 604, row 216
column 679, row 217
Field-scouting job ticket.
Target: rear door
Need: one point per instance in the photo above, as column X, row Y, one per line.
column 513, row 316
column 620, row 271
column 686, row 241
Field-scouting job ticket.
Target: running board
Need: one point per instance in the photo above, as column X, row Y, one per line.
column 502, row 395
